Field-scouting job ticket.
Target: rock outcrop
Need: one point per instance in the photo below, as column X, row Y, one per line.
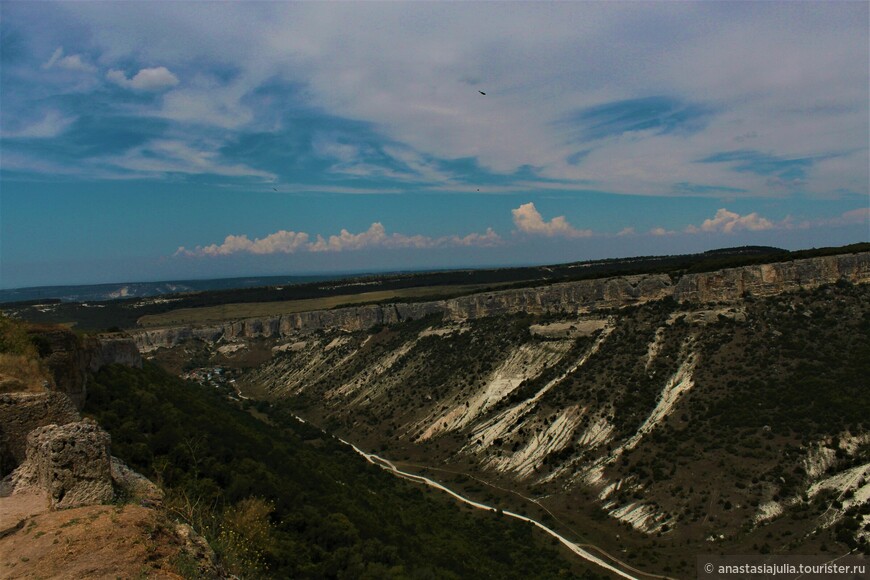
column 63, row 354
column 71, row 462
column 21, row 413
column 70, row 359
column 111, row 349
column 727, row 285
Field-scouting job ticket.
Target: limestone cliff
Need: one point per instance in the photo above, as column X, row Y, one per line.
column 70, row 358
column 569, row 298
column 21, row 413
column 111, row 349
column 65, row 482
column 70, row 462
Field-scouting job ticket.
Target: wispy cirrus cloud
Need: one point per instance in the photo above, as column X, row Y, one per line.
column 165, row 156
column 655, row 115
column 576, row 104
column 530, row 221
column 52, row 124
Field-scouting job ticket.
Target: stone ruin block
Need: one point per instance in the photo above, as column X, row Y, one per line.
column 72, row 463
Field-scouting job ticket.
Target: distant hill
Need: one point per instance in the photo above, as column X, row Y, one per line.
column 102, row 292
column 83, row 307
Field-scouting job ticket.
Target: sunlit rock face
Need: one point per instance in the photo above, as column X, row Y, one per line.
column 728, row 285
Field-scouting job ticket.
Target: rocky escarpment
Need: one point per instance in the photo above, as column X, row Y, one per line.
column 111, row 349
column 770, row 279
column 622, row 411
column 21, row 413
column 71, row 462
column 727, row 285
column 70, row 359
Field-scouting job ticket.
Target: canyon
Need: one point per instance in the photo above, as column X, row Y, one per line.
column 727, row 285
column 641, row 416
column 599, row 397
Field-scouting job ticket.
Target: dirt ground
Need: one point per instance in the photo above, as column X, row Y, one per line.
column 105, row 541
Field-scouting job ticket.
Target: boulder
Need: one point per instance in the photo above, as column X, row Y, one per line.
column 21, row 413
column 71, row 462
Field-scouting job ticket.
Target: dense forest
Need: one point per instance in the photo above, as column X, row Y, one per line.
column 279, row 498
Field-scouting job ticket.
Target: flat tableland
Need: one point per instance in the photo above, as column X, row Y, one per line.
column 263, row 309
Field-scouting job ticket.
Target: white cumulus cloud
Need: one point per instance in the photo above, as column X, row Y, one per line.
column 288, row 242
column 529, row 220
column 281, row 242
column 376, row 235
column 71, row 62
column 147, row 79
column 729, row 221
column 488, row 239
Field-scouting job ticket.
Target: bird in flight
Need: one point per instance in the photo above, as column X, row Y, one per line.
column 482, row 93
column 275, row 188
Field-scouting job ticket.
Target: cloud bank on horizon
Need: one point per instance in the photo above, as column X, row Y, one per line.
column 527, row 219
column 591, row 112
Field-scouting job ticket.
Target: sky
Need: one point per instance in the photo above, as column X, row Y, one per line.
column 144, row 141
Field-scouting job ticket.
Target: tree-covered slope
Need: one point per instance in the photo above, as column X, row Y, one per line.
column 276, row 497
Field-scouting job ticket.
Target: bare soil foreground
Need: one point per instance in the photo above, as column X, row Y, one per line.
column 104, row 541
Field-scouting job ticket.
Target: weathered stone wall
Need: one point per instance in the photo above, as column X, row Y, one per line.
column 569, row 297
column 106, row 350
column 70, row 360
column 71, row 462
column 21, row 413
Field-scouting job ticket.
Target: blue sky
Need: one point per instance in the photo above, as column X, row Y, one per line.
column 161, row 140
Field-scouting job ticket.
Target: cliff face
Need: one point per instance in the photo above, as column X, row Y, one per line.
column 70, row 359
column 65, row 357
column 770, row 279
column 106, row 350
column 21, row 413
column 566, row 298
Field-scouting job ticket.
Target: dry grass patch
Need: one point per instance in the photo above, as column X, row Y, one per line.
column 20, row 373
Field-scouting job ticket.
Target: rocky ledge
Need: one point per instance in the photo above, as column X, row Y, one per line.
column 722, row 286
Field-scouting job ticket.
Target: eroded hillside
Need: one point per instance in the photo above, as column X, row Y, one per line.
column 652, row 430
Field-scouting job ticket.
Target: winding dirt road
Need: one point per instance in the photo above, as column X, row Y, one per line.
column 387, row 465
column 577, row 549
